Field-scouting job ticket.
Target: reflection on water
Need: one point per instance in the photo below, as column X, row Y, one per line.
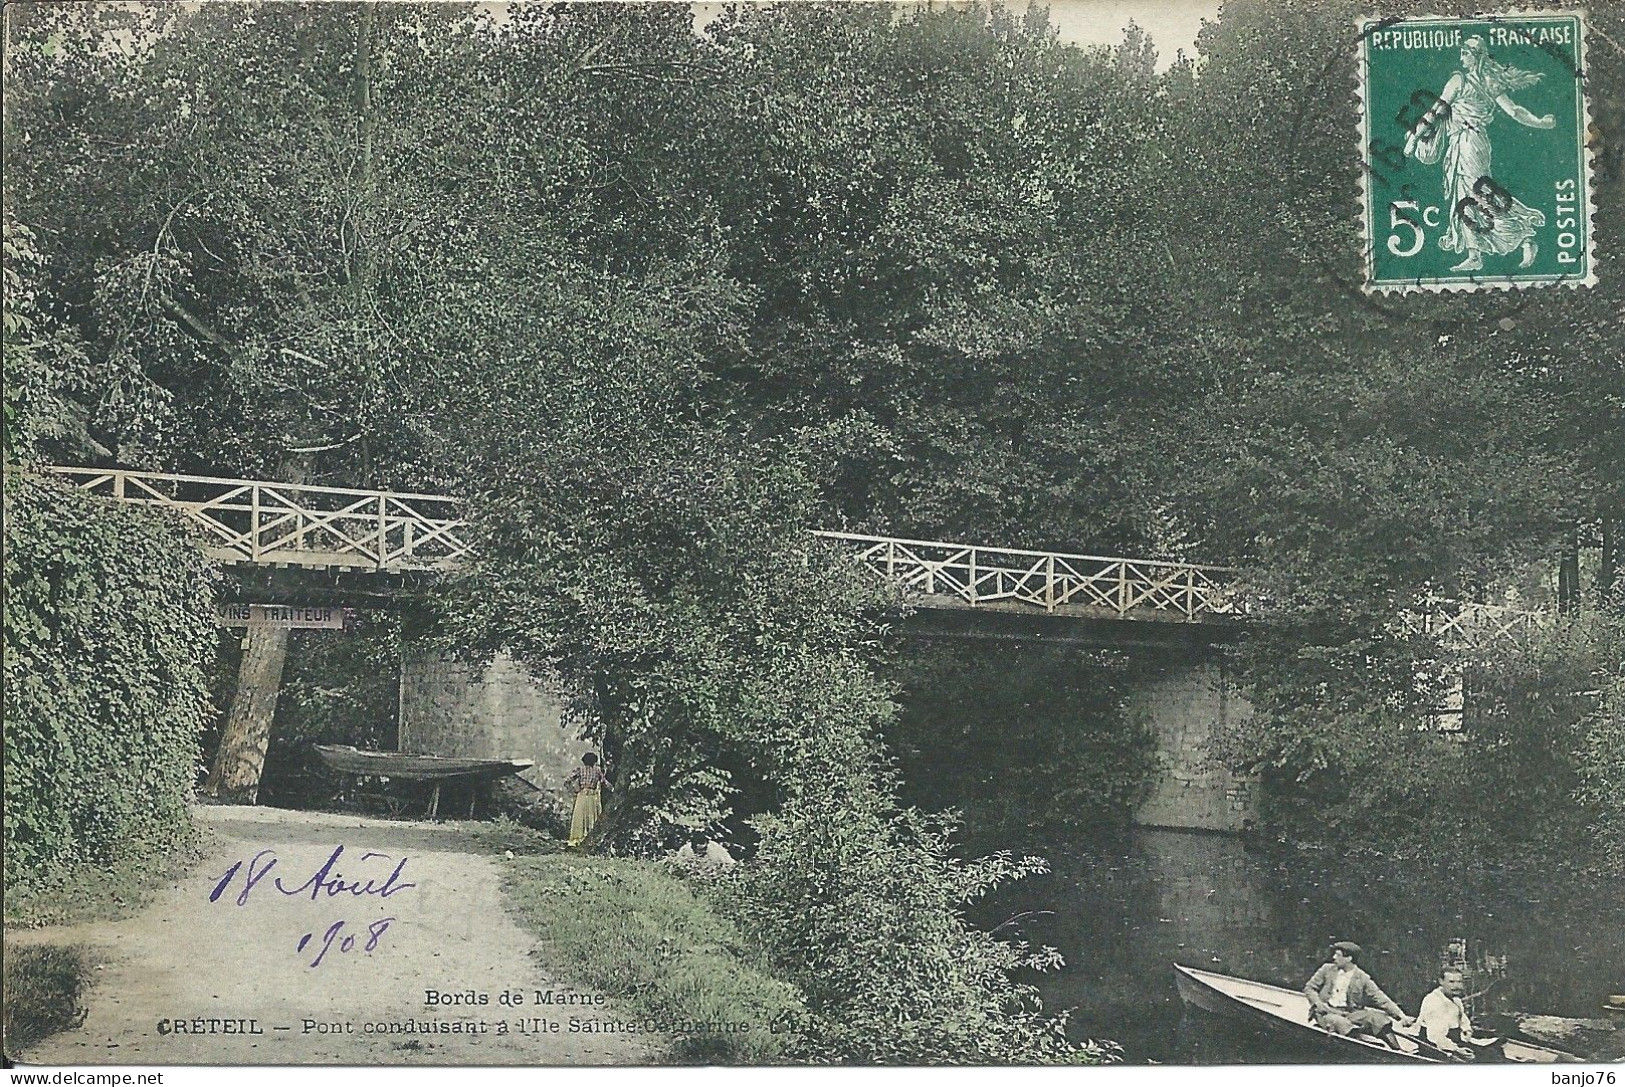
column 1122, row 912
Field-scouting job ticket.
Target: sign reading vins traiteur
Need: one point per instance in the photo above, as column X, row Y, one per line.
column 279, row 615
column 1473, row 152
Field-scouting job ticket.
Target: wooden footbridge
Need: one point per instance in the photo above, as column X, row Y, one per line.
column 289, row 525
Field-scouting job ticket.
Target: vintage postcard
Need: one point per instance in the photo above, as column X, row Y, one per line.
column 659, row 535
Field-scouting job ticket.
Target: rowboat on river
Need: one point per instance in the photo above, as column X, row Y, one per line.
column 1284, row 1014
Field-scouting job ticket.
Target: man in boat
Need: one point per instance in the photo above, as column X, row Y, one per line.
column 1343, row 998
column 1443, row 1015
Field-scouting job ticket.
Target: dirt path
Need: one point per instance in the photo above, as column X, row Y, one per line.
column 204, row 964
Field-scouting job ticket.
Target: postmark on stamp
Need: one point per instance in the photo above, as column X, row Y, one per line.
column 1473, row 151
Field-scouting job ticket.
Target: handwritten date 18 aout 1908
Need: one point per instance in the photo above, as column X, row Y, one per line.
column 326, row 882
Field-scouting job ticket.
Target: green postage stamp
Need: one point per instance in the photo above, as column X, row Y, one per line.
column 1473, row 138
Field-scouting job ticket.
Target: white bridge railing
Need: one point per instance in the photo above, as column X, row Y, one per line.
column 251, row 521
column 288, row 524
column 1055, row 582
column 1464, row 626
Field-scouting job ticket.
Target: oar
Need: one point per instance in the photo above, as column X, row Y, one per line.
column 1427, row 1049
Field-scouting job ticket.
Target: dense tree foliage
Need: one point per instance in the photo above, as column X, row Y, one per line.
column 1349, row 437
column 1060, row 299
column 1028, row 742
column 208, row 181
column 1368, row 451
column 45, row 362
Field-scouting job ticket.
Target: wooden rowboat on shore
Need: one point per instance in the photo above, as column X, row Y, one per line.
column 401, row 764
column 437, row 770
column 1284, row 1013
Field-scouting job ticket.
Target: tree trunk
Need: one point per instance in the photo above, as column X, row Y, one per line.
column 610, row 749
column 1568, row 575
column 1608, row 566
column 235, row 777
column 360, row 265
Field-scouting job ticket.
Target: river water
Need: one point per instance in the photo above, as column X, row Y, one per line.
column 1122, row 911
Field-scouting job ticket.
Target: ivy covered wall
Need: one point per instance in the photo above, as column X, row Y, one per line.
column 108, row 635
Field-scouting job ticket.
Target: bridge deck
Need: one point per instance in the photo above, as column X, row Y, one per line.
column 283, row 525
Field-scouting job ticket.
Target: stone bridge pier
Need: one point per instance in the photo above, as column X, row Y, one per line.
column 1185, row 701
column 503, row 712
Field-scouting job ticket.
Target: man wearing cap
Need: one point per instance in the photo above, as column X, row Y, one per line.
column 1344, row 999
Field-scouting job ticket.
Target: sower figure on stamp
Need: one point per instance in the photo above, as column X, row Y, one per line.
column 1344, row 999
column 1484, row 217
column 587, row 782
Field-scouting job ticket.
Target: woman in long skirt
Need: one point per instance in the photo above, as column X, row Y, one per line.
column 587, row 781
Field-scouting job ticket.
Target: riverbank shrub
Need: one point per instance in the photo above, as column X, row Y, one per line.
column 108, row 631
column 42, row 994
column 1546, row 739
column 860, row 904
column 721, row 669
column 1352, row 755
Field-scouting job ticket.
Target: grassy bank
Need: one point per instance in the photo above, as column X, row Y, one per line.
column 504, row 835
column 44, row 983
column 43, row 986
column 83, row 893
column 636, row 931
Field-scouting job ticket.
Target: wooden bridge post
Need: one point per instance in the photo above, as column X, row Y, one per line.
column 254, row 522
column 301, row 520
column 383, row 528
